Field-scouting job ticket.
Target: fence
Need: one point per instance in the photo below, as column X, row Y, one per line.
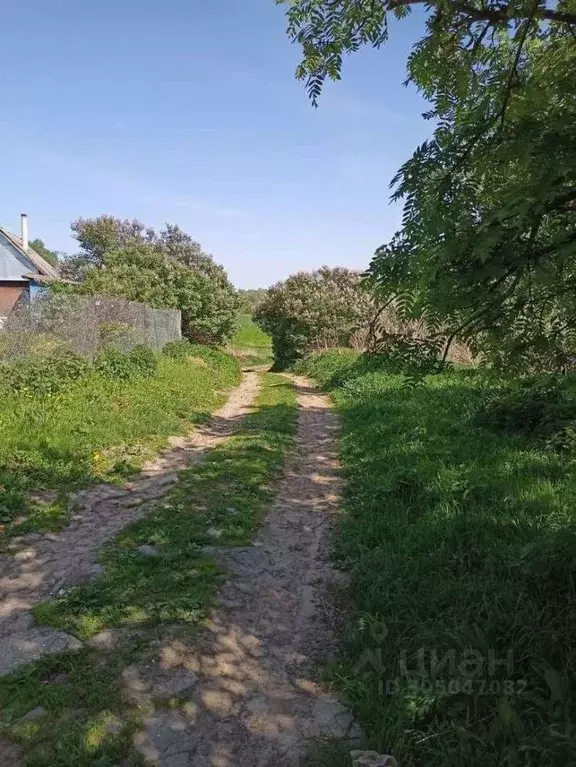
column 84, row 324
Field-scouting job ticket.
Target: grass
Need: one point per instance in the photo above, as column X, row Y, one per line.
column 250, row 344
column 461, row 542
column 177, row 585
column 98, row 430
column 137, row 591
column 85, row 721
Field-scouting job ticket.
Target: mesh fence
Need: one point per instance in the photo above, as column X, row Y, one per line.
column 84, row 325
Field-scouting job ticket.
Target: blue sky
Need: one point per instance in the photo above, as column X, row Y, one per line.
column 188, row 111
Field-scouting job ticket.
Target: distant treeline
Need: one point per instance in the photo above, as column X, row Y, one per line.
column 251, row 299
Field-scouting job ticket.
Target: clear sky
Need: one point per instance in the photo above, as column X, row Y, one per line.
column 188, row 111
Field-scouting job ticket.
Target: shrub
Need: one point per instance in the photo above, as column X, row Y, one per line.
column 165, row 269
column 140, row 362
column 314, row 310
column 178, row 350
column 43, row 376
column 538, row 408
column 144, row 360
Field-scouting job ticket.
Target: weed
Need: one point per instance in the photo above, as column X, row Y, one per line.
column 139, row 362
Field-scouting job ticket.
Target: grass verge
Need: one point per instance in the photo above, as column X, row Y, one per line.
column 86, row 721
column 461, row 542
column 98, row 430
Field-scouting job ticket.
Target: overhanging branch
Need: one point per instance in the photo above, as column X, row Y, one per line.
column 497, row 14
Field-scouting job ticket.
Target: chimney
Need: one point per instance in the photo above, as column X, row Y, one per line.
column 24, row 222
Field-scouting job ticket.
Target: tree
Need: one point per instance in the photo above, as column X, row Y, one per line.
column 487, row 250
column 165, row 269
column 51, row 256
column 251, row 299
column 314, row 310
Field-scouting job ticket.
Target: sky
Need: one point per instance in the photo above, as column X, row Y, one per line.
column 188, row 111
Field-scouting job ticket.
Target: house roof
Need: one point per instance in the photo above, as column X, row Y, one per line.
column 44, row 268
column 46, row 279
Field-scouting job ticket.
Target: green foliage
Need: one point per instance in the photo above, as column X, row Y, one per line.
column 251, row 299
column 43, row 376
column 178, row 350
column 487, row 248
column 139, row 362
column 460, row 537
column 542, row 408
column 98, row 429
column 178, row 585
column 165, row 269
column 47, row 375
column 312, row 310
column 51, row 256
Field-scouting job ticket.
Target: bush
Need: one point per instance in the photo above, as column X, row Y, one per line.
column 43, row 376
column 178, row 350
column 140, row 362
column 539, row 408
column 314, row 310
column 165, row 270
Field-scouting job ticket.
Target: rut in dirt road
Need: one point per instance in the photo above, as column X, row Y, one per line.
column 245, row 683
column 40, row 565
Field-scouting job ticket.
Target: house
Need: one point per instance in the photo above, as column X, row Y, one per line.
column 23, row 273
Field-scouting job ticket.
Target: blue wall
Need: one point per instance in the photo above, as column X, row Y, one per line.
column 36, row 290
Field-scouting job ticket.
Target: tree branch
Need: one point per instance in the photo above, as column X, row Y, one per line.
column 514, row 67
column 499, row 14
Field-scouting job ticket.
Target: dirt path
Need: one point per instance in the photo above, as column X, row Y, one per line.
column 245, row 683
column 40, row 565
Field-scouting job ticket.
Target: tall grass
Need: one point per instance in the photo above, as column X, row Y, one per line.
column 461, row 542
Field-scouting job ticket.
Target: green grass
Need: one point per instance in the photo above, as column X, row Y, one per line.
column 137, row 591
column 85, row 721
column 249, row 334
column 250, row 344
column 177, row 586
column 461, row 541
column 98, row 430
